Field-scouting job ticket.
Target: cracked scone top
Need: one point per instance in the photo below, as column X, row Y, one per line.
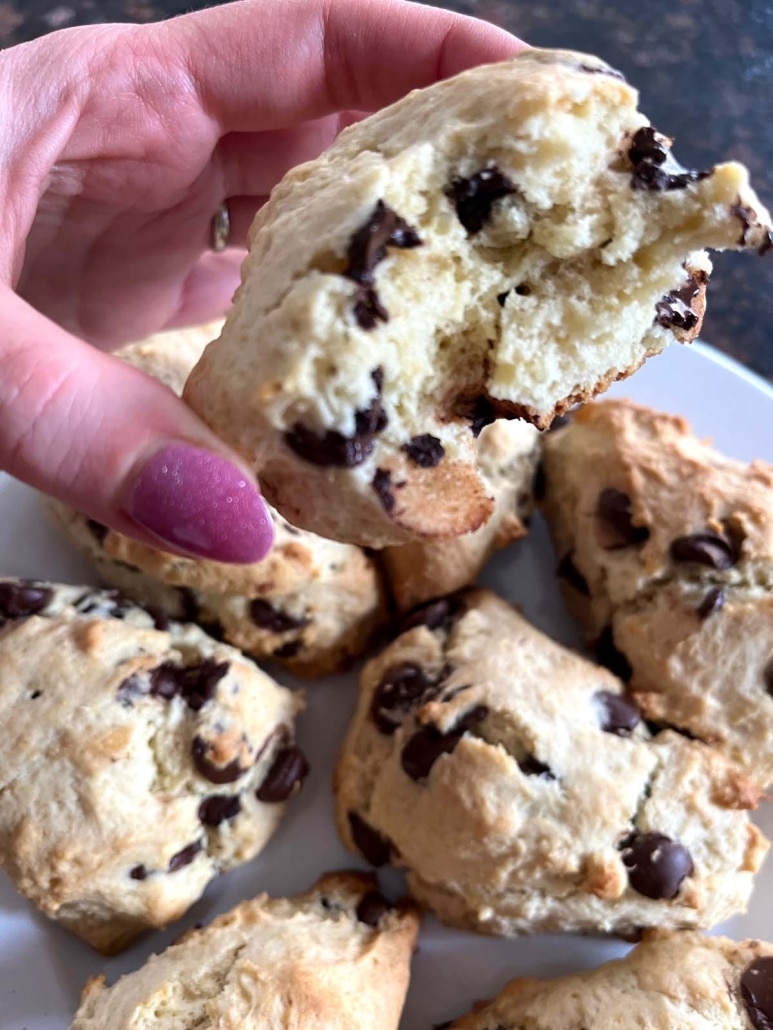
column 334, row 958
column 522, row 793
column 665, row 550
column 138, row 762
column 504, row 243
column 671, row 981
column 311, row 604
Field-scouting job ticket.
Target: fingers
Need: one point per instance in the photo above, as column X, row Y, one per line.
column 272, row 63
column 209, row 287
column 119, row 446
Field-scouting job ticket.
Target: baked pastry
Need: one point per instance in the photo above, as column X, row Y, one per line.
column 505, row 243
column 522, row 793
column 507, row 457
column 334, row 958
column 665, row 552
column 671, row 981
column 311, row 604
column 141, row 758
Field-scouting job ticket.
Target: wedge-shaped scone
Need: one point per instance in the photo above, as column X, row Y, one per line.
column 665, row 551
column 507, row 456
column 141, row 758
column 502, row 244
column 311, row 604
column 671, row 981
column 334, row 958
column 522, row 792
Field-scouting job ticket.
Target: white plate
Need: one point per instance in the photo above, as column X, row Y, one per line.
column 42, row 968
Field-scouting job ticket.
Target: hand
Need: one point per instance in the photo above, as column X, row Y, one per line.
column 119, row 142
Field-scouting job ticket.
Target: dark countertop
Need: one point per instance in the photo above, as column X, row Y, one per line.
column 704, row 68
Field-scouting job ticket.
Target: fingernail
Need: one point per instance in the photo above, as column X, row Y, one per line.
column 198, row 502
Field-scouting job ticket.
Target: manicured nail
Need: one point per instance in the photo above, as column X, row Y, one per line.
column 198, row 502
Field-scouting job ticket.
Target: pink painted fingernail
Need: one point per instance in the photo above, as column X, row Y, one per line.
column 198, row 502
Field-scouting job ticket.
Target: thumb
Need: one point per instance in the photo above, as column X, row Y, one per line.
column 110, row 441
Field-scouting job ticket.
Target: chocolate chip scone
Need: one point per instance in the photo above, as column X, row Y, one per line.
column 666, row 556
column 671, row 981
column 502, row 244
column 141, row 758
column 335, row 958
column 521, row 791
column 507, row 456
column 311, row 604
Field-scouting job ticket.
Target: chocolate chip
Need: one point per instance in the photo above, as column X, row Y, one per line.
column 368, row 308
column 266, row 616
column 657, row 866
column 711, row 603
column 674, row 310
column 608, row 655
column 195, row 684
column 35, row 695
column 97, row 530
column 502, row 297
column 749, row 221
column 438, row 614
column 372, row 908
column 569, row 572
column 333, row 449
column 385, row 228
column 138, row 872
column 218, row 808
column 649, row 153
column 108, row 604
column 185, row 857
column 189, row 605
column 768, row 677
column 23, row 598
column 159, row 617
column 619, row 714
column 372, row 846
column 713, row 549
column 382, row 484
column 429, row 743
column 403, row 687
column 523, row 290
column 648, row 145
column 474, row 198
column 288, row 650
column 200, row 751
column 287, row 772
column 757, row 992
column 425, row 450
column 531, row 766
column 614, row 510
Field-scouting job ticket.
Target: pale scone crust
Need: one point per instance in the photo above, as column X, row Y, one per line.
column 311, row 604
column 671, row 981
column 507, row 456
column 506, row 243
column 519, row 824
column 134, row 762
column 302, row 963
column 697, row 640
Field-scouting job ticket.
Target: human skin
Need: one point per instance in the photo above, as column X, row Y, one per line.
column 117, row 144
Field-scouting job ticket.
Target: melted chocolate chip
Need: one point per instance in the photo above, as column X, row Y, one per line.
column 138, row 872
column 372, row 908
column 523, row 290
column 288, row 650
column 382, row 484
column 614, row 510
column 768, row 677
column 403, row 687
column 35, row 695
column 649, row 154
column 713, row 549
column 200, row 751
column 713, row 602
column 185, row 857
column 531, row 766
column 368, row 308
column 159, row 617
column 619, row 714
column 372, row 846
column 219, row 808
column 108, row 604
column 97, row 530
column 21, row 599
column 502, row 298
column 749, row 221
column 266, row 616
column 608, row 655
column 438, row 614
column 757, row 992
column 648, row 145
column 333, row 449
column 195, row 684
column 385, row 228
column 657, row 866
column 287, row 772
column 674, row 310
column 569, row 572
column 474, row 198
column 429, row 743
column 425, row 450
